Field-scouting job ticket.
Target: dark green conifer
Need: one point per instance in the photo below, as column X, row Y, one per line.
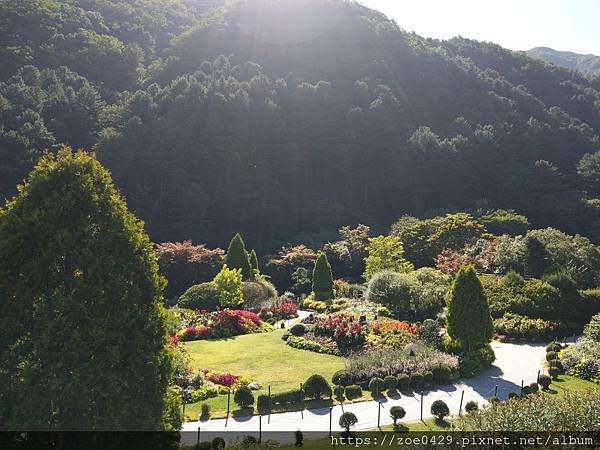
column 237, row 257
column 468, row 318
column 322, row 282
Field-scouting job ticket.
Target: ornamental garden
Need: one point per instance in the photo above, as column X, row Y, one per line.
column 368, row 316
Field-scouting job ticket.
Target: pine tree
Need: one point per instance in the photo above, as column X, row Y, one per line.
column 254, row 262
column 322, row 283
column 468, row 318
column 237, row 257
column 82, row 341
column 536, row 257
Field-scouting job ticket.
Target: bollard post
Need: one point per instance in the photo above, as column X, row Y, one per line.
column 537, row 380
column 259, row 429
column 462, row 396
column 198, row 438
column 270, row 405
column 302, row 402
column 330, row 421
column 496, row 391
column 379, row 416
column 421, row 406
column 228, row 403
column 521, row 388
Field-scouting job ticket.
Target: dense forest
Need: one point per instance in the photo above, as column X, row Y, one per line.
column 287, row 119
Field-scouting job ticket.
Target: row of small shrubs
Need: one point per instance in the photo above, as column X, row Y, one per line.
column 438, row 375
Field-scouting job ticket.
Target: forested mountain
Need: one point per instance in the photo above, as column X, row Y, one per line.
column 586, row 64
column 284, row 119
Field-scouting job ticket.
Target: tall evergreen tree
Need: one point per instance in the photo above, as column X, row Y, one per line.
column 322, row 282
column 82, row 341
column 254, row 262
column 536, row 257
column 237, row 257
column 468, row 317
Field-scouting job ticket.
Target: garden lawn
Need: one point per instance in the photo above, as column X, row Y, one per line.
column 263, row 357
column 567, row 383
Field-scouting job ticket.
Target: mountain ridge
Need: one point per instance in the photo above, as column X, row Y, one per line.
column 587, row 64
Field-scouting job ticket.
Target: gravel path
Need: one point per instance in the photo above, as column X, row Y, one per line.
column 514, row 363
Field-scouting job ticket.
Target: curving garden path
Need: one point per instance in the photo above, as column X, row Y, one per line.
column 514, row 363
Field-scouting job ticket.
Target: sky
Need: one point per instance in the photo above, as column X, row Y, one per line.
column 572, row 25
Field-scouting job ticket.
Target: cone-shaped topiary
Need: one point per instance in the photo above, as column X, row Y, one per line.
column 322, row 282
column 237, row 257
column 468, row 317
column 254, row 263
column 83, row 343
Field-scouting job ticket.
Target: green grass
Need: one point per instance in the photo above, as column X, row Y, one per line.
column 264, row 358
column 431, row 424
column 565, row 383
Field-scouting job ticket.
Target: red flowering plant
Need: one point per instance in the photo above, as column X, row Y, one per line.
column 281, row 312
column 194, row 333
column 345, row 330
column 222, row 379
column 233, row 322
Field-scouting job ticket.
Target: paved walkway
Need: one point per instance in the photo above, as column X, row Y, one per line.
column 514, row 363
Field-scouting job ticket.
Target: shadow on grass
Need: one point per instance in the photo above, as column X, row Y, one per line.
column 243, row 413
column 400, row 428
column 440, row 423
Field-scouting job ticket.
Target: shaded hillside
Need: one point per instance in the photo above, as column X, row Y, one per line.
column 286, row 119
column 586, row 64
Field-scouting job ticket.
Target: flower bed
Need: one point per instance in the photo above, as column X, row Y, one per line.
column 223, row 323
column 363, row 368
column 582, row 359
column 280, row 312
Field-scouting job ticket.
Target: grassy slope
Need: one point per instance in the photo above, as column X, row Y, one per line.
column 264, row 358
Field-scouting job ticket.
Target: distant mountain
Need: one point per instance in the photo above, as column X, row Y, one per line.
column 586, row 64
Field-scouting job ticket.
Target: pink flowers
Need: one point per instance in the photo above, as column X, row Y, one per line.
column 195, row 332
column 224, row 323
column 223, row 379
column 344, row 329
column 283, row 311
column 174, row 340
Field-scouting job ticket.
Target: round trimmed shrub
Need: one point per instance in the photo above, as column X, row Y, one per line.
column 243, row 397
column 554, row 372
column 513, row 395
column 390, row 383
column 376, row 386
column 403, row 382
column 205, row 445
column 416, row 381
column 348, row 420
column 440, row 409
column 218, row 443
column 342, row 377
column 551, row 356
column 533, row 388
column 544, row 381
column 316, row 386
column 338, row 392
column 397, row 413
column 471, row 406
column 353, row 391
column 553, row 347
column 494, row 400
column 200, row 297
column 298, row 329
